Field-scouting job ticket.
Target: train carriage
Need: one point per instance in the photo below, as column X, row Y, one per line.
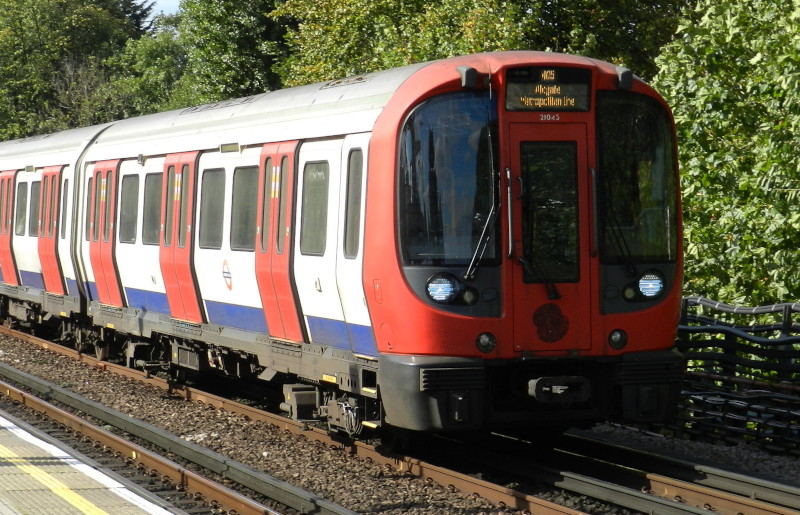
column 484, row 241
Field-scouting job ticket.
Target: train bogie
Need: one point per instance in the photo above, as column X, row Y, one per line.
column 485, row 241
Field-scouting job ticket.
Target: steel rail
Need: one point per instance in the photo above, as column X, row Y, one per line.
column 755, row 494
column 191, row 482
column 497, row 494
column 259, row 482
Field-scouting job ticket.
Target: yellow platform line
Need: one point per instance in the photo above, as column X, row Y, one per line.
column 56, row 486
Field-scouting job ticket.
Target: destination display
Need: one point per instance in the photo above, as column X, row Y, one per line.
column 548, row 88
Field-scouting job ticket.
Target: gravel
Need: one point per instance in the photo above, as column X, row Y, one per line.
column 332, row 474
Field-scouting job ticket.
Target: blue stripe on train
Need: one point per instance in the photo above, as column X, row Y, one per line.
column 72, row 287
column 335, row 333
column 147, row 300
column 32, row 279
column 240, row 317
column 340, row 334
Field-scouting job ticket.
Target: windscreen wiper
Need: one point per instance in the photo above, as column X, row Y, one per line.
column 488, row 227
column 483, row 241
column 537, row 269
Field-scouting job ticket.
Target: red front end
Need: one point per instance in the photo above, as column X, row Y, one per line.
column 528, row 272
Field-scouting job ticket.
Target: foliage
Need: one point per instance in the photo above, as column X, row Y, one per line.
column 732, row 77
column 334, row 38
column 147, row 75
column 231, row 47
column 51, row 54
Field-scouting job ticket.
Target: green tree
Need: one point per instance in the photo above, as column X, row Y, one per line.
column 51, row 54
column 146, row 77
column 231, row 48
column 733, row 79
column 333, row 38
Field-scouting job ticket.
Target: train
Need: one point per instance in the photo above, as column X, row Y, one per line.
column 476, row 243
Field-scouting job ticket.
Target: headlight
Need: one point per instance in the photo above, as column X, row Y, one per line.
column 618, row 339
column 486, row 342
column 443, row 288
column 651, row 285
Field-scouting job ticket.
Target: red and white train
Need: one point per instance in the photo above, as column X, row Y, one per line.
column 486, row 241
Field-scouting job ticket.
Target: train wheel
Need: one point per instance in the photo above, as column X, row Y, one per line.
column 101, row 352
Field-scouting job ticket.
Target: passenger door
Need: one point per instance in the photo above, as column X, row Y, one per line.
column 48, row 229
column 273, row 245
column 101, row 245
column 7, row 264
column 551, row 273
column 177, row 237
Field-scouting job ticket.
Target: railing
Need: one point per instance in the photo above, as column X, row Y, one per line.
column 743, row 374
column 766, row 349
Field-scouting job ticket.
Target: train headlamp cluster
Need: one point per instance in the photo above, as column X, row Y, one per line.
column 649, row 286
column 445, row 288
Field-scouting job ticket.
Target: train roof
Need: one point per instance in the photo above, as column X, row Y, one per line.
column 343, row 106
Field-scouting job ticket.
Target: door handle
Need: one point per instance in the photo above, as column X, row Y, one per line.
column 508, row 210
column 318, row 285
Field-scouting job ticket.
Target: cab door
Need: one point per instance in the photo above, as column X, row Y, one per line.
column 551, row 247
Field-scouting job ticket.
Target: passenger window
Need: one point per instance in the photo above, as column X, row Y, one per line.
column 88, row 209
column 9, row 203
column 51, row 227
column 314, row 215
column 64, row 199
column 244, row 208
column 22, row 209
column 352, row 215
column 98, row 183
column 169, row 200
column 266, row 204
column 33, row 214
column 183, row 221
column 151, row 218
column 282, row 199
column 42, row 216
column 129, row 209
column 109, row 205
column 212, row 204
column 3, row 226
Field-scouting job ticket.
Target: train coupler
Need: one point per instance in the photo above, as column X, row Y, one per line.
column 560, row 389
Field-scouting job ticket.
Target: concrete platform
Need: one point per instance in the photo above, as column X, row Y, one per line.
column 40, row 475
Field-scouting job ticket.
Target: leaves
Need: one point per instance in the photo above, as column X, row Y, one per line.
column 335, row 38
column 731, row 76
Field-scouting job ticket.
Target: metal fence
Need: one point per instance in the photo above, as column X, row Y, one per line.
column 743, row 374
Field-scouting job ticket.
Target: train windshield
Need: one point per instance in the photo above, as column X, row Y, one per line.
column 638, row 190
column 448, row 178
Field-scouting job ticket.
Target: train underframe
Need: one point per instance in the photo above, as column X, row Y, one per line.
column 336, row 387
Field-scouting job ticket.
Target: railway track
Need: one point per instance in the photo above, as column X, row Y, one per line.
column 641, row 491
column 172, row 478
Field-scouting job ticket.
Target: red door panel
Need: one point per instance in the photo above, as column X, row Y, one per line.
column 273, row 256
column 102, row 236
column 552, row 282
column 7, row 264
column 48, row 229
column 177, row 240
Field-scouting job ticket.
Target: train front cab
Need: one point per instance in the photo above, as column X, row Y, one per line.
column 538, row 228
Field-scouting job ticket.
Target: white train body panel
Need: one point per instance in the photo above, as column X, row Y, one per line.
column 137, row 254
column 26, row 228
column 226, row 270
